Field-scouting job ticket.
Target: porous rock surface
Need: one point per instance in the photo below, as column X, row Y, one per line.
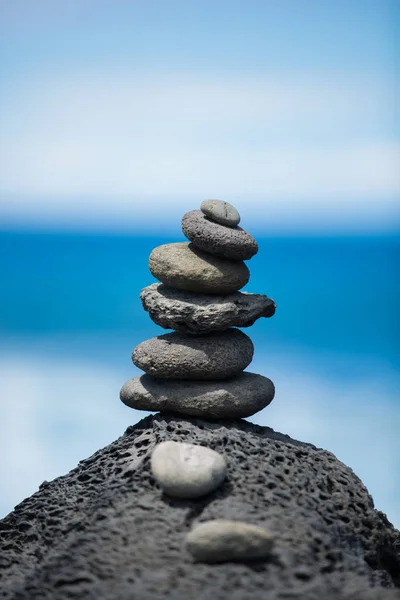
column 183, row 266
column 195, row 314
column 105, row 531
column 230, row 242
column 179, row 356
column 234, row 398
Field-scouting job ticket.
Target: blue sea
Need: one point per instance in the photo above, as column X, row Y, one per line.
column 70, row 315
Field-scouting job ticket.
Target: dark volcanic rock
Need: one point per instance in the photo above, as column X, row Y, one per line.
column 233, row 243
column 193, row 313
column 106, row 532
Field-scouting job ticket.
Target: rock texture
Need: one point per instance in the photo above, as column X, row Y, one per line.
column 234, row 398
column 183, row 266
column 233, row 243
column 104, row 531
column 221, row 212
column 178, row 356
column 187, row 470
column 195, row 314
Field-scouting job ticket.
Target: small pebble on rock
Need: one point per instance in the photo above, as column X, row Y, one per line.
column 233, row 243
column 223, row 541
column 187, row 470
column 220, row 212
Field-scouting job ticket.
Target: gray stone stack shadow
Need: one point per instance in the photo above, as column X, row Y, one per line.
column 198, row 369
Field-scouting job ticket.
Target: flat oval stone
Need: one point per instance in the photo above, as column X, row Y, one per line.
column 220, row 212
column 183, row 266
column 221, row 540
column 233, row 243
column 179, row 356
column 234, row 398
column 187, row 470
column 195, row 314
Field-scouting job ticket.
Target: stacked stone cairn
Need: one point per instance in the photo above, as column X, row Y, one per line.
column 198, row 369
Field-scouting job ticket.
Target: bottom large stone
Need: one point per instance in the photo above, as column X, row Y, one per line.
column 234, row 398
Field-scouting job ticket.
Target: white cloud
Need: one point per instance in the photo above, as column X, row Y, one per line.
column 294, row 146
column 55, row 412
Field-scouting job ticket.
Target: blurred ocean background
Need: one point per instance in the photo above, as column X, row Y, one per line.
column 118, row 117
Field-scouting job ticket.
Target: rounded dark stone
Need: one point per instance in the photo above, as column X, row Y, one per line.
column 234, row 398
column 180, row 356
column 233, row 243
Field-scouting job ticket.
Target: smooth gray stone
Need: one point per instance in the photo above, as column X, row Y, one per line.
column 222, row 540
column 220, row 212
column 235, row 398
column 233, row 243
column 183, row 266
column 180, row 356
column 187, row 470
column 195, row 314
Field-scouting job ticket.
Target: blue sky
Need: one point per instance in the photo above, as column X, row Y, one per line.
column 260, row 36
column 285, row 108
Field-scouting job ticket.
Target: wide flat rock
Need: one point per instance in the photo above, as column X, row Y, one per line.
column 233, row 243
column 104, row 531
column 183, row 266
column 193, row 313
column 234, row 398
column 180, row 356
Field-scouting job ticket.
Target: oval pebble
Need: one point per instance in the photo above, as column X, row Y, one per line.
column 187, row 470
column 232, row 243
column 183, row 266
column 180, row 356
column 220, row 212
column 222, row 540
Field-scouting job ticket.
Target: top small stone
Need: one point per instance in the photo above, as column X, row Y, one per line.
column 221, row 212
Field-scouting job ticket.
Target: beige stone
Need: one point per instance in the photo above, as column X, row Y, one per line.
column 183, row 266
column 222, row 540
